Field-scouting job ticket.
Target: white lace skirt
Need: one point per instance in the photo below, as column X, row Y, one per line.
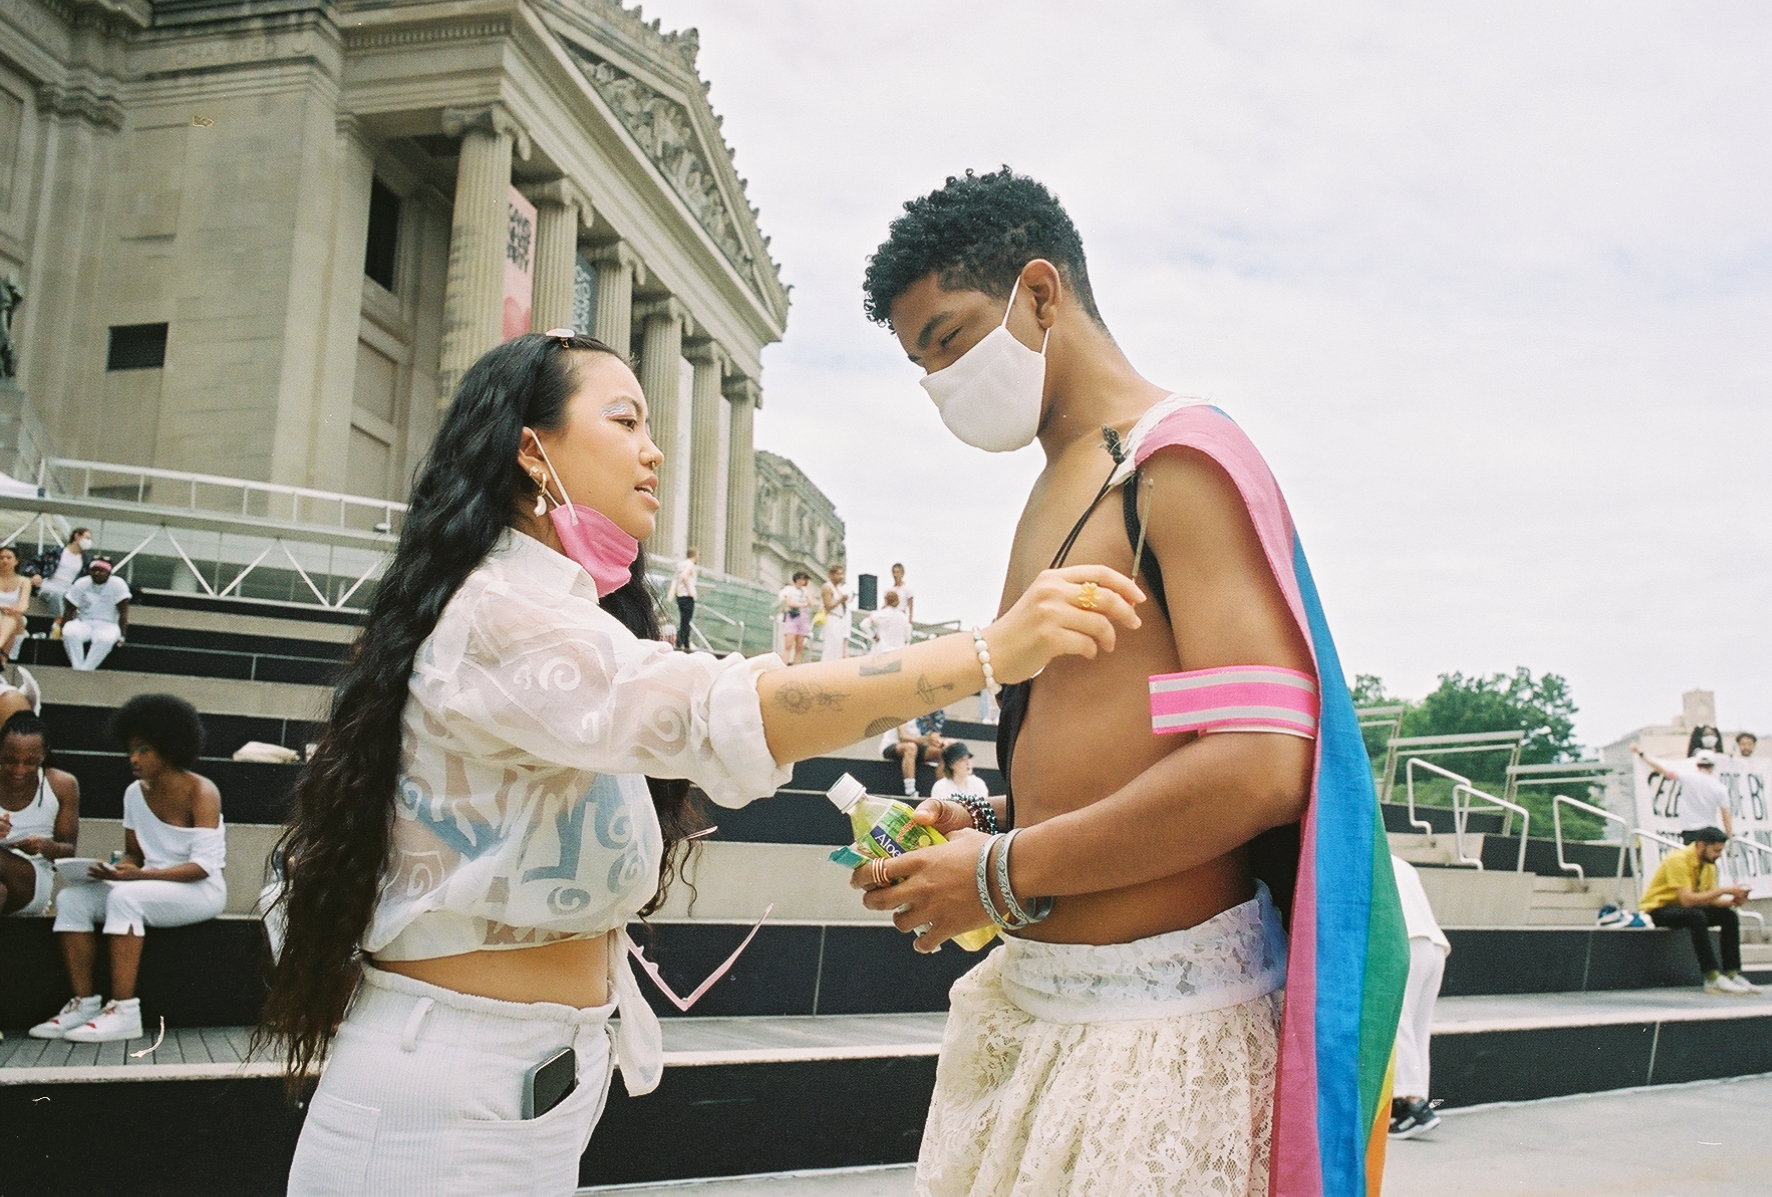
column 1122, row 1106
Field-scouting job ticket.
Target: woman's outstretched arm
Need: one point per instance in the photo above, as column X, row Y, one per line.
column 810, row 709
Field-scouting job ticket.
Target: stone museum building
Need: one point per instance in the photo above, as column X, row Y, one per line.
column 264, row 239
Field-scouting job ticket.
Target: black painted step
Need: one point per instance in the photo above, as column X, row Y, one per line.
column 251, row 792
column 210, row 974
column 84, row 729
column 147, row 657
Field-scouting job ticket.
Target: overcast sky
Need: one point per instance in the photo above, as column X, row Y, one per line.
column 1488, row 284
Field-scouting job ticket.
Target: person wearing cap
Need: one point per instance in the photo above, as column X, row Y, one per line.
column 95, row 615
column 1685, row 892
column 1703, row 801
column 957, row 777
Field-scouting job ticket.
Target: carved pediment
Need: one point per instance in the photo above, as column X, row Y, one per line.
column 667, row 136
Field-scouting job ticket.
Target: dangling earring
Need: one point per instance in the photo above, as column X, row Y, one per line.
column 541, row 494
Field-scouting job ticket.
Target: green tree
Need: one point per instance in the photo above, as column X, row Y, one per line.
column 1541, row 707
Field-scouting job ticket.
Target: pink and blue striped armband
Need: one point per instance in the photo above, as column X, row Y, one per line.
column 1240, row 698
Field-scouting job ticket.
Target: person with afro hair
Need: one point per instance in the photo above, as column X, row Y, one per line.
column 1144, row 857
column 170, row 873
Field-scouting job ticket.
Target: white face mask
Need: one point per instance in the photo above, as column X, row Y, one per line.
column 990, row 398
column 85, row 543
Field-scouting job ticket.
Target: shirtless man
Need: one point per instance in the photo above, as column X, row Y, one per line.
column 1137, row 837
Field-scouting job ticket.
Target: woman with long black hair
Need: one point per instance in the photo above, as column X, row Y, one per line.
column 503, row 785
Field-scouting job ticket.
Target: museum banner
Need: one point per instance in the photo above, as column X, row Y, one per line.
column 1747, row 779
column 519, row 266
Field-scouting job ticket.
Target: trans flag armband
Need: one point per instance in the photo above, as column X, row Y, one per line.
column 1235, row 698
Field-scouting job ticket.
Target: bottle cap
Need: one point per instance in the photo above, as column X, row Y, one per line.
column 846, row 793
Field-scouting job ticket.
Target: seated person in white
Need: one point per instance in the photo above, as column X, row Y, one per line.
column 890, row 627
column 39, row 816
column 15, row 600
column 170, row 874
column 95, row 616
column 957, row 777
column 57, row 568
column 906, row 744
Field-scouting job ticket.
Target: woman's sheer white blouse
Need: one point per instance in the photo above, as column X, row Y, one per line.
column 522, row 813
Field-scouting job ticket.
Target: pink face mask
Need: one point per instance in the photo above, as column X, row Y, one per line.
column 591, row 538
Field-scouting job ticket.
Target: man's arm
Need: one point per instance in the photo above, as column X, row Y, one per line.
column 1206, row 798
column 1220, row 791
column 1660, row 766
column 123, row 619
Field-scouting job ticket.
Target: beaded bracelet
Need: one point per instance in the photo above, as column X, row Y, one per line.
column 984, row 818
column 984, row 659
column 1020, row 917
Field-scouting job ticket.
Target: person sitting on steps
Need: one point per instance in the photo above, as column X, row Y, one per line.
column 170, row 874
column 39, row 816
column 1684, row 892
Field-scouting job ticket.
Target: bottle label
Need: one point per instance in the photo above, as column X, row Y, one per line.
column 895, row 834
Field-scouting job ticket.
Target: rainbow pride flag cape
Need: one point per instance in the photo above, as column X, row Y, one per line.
column 1349, row 955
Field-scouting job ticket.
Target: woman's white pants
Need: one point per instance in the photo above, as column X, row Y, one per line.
column 1427, row 964
column 126, row 907
column 423, row 1090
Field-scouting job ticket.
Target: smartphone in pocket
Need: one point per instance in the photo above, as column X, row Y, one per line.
column 550, row 1082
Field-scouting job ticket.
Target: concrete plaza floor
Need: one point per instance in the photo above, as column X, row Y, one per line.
column 1669, row 1141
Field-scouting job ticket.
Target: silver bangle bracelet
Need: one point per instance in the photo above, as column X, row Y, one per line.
column 1017, row 916
column 984, row 885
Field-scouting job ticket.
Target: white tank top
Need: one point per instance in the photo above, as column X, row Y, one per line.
column 38, row 818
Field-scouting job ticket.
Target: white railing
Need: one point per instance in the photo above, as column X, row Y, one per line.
column 1409, row 789
column 266, row 500
column 1461, row 811
column 1558, row 802
column 1447, row 745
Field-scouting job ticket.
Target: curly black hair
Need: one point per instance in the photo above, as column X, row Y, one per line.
column 976, row 233
column 165, row 722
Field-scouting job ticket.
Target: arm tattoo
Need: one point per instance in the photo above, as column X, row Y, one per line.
column 928, row 692
column 883, row 665
column 880, row 727
column 799, row 698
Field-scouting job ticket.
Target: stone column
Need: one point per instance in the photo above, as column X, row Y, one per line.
column 618, row 269
column 473, row 297
column 745, row 397
column 560, row 208
column 661, row 355
column 707, row 489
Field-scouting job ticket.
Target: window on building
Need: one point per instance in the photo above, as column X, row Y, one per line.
column 137, row 347
column 384, row 234
column 12, row 123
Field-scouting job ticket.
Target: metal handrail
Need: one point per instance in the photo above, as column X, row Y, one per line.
column 1558, row 801
column 1446, row 745
column 1557, row 773
column 1460, row 813
column 246, row 486
column 1409, row 787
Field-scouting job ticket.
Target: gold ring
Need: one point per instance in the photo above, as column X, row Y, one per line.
column 877, row 873
column 1086, row 596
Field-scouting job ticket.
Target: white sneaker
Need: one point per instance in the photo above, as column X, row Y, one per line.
column 118, row 1020
column 1742, row 984
column 79, row 1010
column 1720, row 984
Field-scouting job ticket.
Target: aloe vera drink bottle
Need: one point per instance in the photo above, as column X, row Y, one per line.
column 883, row 828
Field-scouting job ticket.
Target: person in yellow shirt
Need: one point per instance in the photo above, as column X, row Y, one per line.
column 1684, row 892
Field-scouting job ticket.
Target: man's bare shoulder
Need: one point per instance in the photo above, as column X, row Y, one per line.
column 1225, row 602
